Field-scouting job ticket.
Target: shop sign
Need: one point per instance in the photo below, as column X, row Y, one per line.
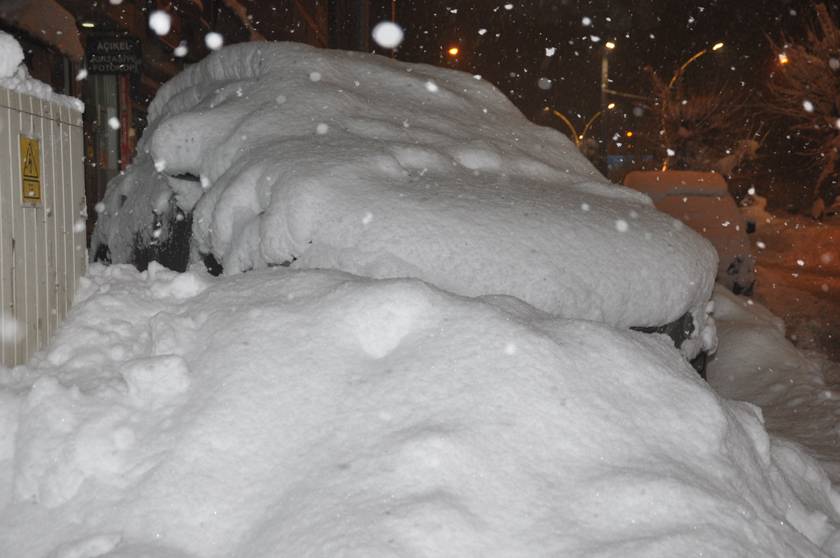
column 113, row 55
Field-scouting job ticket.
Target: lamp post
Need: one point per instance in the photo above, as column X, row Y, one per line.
column 609, row 46
column 667, row 96
column 579, row 137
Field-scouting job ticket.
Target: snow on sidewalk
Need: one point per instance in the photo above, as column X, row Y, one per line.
column 316, row 413
column 798, row 392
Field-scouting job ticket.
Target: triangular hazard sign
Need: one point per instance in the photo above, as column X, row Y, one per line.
column 30, row 162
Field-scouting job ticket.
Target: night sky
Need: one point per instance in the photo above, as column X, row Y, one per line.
column 661, row 34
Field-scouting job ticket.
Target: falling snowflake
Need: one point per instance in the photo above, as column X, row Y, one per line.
column 181, row 50
column 322, row 129
column 160, row 22
column 114, row 123
column 586, row 21
column 83, row 73
column 213, row 40
column 550, row 51
column 315, row 76
column 388, row 34
column 621, row 225
column 808, row 105
column 432, row 86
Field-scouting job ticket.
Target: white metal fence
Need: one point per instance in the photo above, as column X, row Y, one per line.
column 42, row 236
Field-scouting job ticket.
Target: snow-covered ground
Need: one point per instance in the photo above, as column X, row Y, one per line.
column 315, row 413
column 405, row 409
column 799, row 278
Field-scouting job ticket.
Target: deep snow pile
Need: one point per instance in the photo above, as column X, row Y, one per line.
column 350, row 161
column 798, row 391
column 314, row 413
column 15, row 76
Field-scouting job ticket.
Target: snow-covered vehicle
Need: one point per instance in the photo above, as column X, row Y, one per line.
column 281, row 154
column 702, row 201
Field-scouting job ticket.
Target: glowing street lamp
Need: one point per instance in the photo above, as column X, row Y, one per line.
column 609, row 46
column 677, row 75
column 783, row 58
column 453, row 50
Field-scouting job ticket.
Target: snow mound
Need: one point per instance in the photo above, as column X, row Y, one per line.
column 350, row 161
column 316, row 413
column 11, row 55
column 15, row 76
column 796, row 390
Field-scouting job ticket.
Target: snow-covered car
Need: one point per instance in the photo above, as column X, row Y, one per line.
column 702, row 201
column 281, row 154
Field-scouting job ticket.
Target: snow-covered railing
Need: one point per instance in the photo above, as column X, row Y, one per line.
column 42, row 235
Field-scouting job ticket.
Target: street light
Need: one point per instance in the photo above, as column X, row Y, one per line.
column 667, row 96
column 453, row 50
column 695, row 56
column 609, row 46
column 578, row 137
column 783, row 58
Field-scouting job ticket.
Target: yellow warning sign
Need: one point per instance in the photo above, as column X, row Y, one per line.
column 30, row 169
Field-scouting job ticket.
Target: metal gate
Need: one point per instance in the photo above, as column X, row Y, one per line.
column 42, row 233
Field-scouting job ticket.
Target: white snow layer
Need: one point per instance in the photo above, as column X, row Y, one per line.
column 11, row 55
column 15, row 76
column 315, row 413
column 350, row 161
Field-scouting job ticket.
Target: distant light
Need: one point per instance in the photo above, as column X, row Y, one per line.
column 88, row 24
column 453, row 51
column 610, row 106
column 783, row 58
column 610, row 45
column 717, row 46
column 629, row 133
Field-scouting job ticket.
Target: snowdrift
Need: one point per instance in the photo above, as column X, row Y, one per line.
column 316, row 413
column 286, row 154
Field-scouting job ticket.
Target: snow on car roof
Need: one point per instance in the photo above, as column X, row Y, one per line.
column 350, row 161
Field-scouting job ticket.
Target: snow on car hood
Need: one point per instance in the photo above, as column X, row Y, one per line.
column 315, row 413
column 356, row 162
